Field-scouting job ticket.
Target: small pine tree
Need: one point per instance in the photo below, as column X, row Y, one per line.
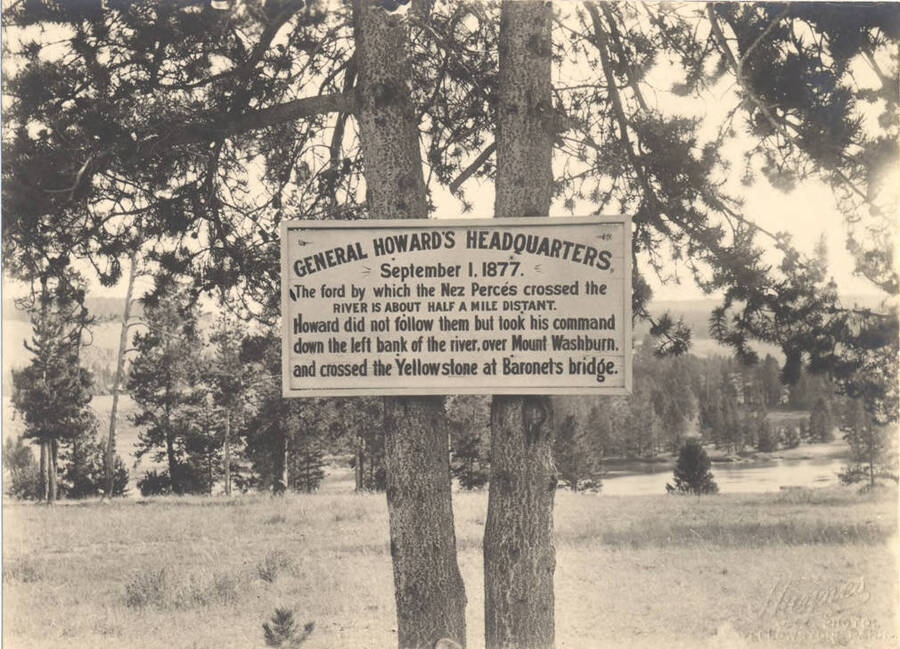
column 692, row 474
column 308, row 462
column 154, row 483
column 790, row 437
column 84, row 474
column 821, row 422
column 766, row 439
column 577, row 463
column 467, row 464
column 281, row 631
column 873, row 455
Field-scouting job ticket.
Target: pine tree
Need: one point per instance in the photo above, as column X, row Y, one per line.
column 692, row 474
column 821, row 422
column 164, row 381
column 308, row 464
column 468, row 420
column 232, row 377
column 766, row 438
column 576, row 456
column 53, row 392
column 873, row 449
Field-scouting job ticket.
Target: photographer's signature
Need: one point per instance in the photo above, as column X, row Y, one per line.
column 798, row 599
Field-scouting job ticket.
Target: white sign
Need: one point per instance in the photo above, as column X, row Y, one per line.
column 493, row 306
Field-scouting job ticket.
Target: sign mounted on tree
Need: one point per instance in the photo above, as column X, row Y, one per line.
column 476, row 306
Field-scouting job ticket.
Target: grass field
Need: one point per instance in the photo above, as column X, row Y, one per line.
column 793, row 569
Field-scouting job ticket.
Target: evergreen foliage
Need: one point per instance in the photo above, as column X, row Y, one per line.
column 577, row 456
column 84, row 473
column 155, row 483
column 821, row 422
column 283, row 631
column 692, row 474
column 873, row 448
column 766, row 439
column 468, row 417
column 53, row 391
column 22, row 477
column 165, row 384
column 307, row 464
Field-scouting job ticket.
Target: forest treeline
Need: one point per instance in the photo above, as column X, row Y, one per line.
column 211, row 417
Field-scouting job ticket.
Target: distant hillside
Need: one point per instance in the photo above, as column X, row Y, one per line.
column 695, row 314
column 102, row 308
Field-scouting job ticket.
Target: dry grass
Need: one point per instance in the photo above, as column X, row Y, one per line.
column 653, row 571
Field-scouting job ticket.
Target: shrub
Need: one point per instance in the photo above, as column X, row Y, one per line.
column 24, row 571
column 221, row 589
column 692, row 474
column 766, row 441
column 790, row 437
column 155, row 484
column 149, row 588
column 272, row 565
column 24, row 474
column 155, row 588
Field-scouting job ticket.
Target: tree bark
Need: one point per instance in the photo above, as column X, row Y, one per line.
column 54, row 454
column 226, row 443
column 286, row 466
column 45, row 474
column 117, row 381
column 519, row 557
column 428, row 587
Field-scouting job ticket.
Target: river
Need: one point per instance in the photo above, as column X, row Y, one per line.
column 733, row 477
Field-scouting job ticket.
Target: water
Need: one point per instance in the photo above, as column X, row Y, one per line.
column 757, row 477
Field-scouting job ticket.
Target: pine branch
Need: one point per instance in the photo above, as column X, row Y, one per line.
column 472, row 168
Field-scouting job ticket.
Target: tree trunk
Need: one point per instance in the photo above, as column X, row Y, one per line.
column 286, row 467
column 45, row 474
column 227, row 452
column 360, row 458
column 519, row 558
column 117, row 381
column 54, row 454
column 428, row 587
column 174, row 478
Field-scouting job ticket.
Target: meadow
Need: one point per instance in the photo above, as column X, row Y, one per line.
column 797, row 568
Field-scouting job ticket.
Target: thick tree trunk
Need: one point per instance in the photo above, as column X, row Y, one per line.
column 428, row 587
column 519, row 558
column 45, row 474
column 54, row 455
column 117, row 381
